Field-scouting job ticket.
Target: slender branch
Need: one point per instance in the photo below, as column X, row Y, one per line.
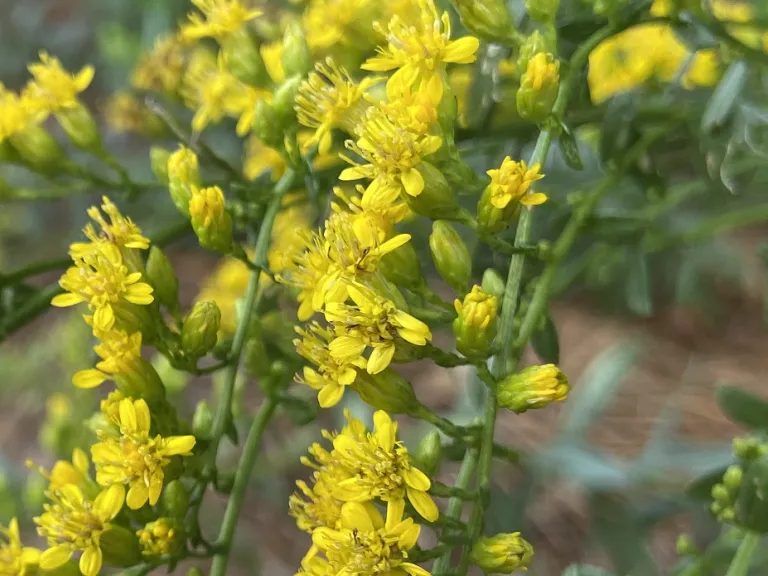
column 743, row 558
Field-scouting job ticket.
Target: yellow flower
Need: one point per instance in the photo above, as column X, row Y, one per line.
column 392, row 155
column 333, row 23
column 161, row 69
column 378, row 213
column 65, row 472
column 329, row 99
column 54, row 88
column 289, row 233
column 120, row 230
column 272, row 54
column 315, row 506
column 410, row 109
column 110, row 408
column 511, row 181
column 15, row 116
column 210, row 219
column 381, row 468
column 534, row 387
column 72, row 523
column 421, row 51
column 502, row 553
column 119, row 353
column 15, row 559
column 367, row 544
column 100, row 278
column 375, row 322
column 135, row 458
column 125, row 113
column 227, row 283
column 331, row 376
column 163, row 536
column 260, row 159
column 219, row 19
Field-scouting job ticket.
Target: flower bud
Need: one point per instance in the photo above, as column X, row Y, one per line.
column 158, row 161
column 142, row 381
column 296, row 56
column 243, row 58
column 401, row 267
column 160, row 274
column 257, row 359
column 430, row 453
column 175, row 499
column 534, row 387
column 493, row 283
column 533, row 44
column 120, row 546
column 685, row 546
column 500, row 203
column 283, row 100
column 80, row 127
column 35, row 146
column 163, row 536
column 386, row 391
column 475, row 325
column 267, row 125
column 210, row 220
column 436, row 200
column 721, row 494
column 202, row 420
column 489, row 19
column 542, row 10
column 200, row 329
column 195, row 571
column 749, row 448
column 538, row 88
column 733, row 477
column 450, row 255
column 502, row 553
column 183, row 177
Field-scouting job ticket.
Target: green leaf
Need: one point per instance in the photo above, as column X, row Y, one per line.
column 638, row 284
column 570, row 148
column 725, row 96
column 743, row 407
column 701, row 488
column 597, row 386
column 546, row 343
column 300, row 411
column 585, row 570
column 617, row 131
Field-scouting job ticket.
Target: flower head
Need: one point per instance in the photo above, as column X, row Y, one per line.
column 330, row 375
column 421, row 51
column 330, row 23
column 511, row 181
column 136, row 458
column 380, row 467
column 119, row 353
column 65, row 472
column 15, row 115
column 120, row 230
column 392, row 154
column 366, row 543
column 534, row 387
column 101, row 279
column 329, row 99
column 475, row 325
column 163, row 536
column 371, row 322
column 161, row 68
column 210, row 220
column 219, row 19
column 71, row 523
column 53, row 88
column 502, row 553
column 15, row 559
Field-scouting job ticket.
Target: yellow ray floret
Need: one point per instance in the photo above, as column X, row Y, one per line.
column 219, row 19
column 53, row 88
column 15, row 559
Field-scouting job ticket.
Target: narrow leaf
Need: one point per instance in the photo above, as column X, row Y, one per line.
column 725, row 96
column 743, row 407
column 546, row 343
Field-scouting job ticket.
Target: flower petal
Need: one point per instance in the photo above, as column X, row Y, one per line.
column 67, row 299
column 90, row 561
column 178, row 445
column 330, row 395
column 461, row 51
column 413, row 182
column 109, row 502
column 88, row 378
column 423, row 503
column 55, row 557
column 137, row 495
column 380, row 358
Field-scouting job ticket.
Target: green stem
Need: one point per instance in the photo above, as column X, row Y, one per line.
column 34, row 269
column 741, row 561
column 242, row 476
column 456, row 505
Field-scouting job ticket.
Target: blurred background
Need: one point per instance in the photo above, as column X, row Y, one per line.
column 646, row 331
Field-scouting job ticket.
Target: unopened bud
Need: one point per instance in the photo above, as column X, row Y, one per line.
column 141, row 381
column 202, row 420
column 183, row 177
column 533, row 44
column 749, row 448
column 685, row 546
column 721, row 494
column 158, row 161
column 35, row 146
column 257, row 359
column 120, row 546
column 386, row 391
column 161, row 275
column 401, row 267
column 243, row 58
column 80, row 127
column 502, row 553
column 283, row 100
column 436, row 200
column 210, row 219
column 489, row 19
column 475, row 325
column 175, row 499
column 267, row 125
column 493, row 283
column 534, row 387
column 450, row 255
column 538, row 88
column 163, row 536
column 430, row 453
column 542, row 10
column 195, row 572
column 733, row 477
column 200, row 329
column 297, row 58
